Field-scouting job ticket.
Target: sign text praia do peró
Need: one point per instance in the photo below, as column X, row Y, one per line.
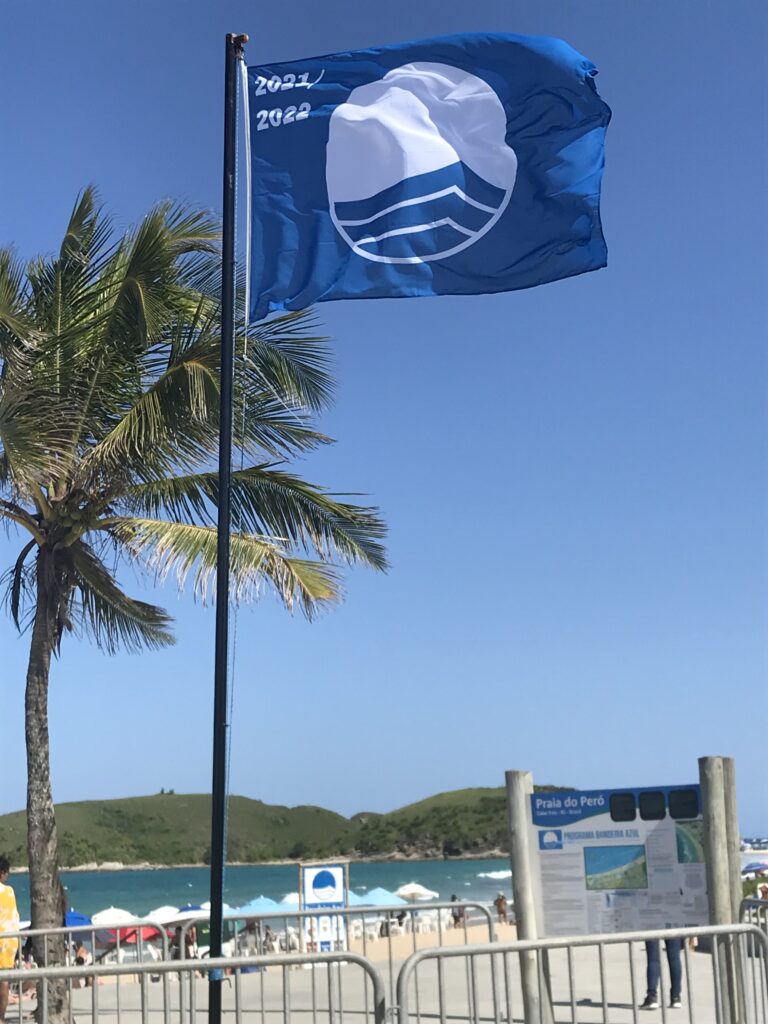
column 619, row 860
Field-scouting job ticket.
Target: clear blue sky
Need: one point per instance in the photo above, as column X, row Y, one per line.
column 574, row 476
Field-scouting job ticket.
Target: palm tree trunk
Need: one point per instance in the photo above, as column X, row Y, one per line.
column 45, row 889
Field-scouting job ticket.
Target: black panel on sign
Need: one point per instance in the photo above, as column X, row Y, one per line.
column 683, row 803
column 623, row 807
column 652, row 806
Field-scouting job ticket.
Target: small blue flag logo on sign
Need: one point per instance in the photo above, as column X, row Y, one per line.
column 462, row 165
column 324, row 886
column 552, row 839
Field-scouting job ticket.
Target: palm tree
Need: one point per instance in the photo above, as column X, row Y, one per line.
column 109, row 416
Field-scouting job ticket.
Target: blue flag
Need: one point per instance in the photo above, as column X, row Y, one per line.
column 463, row 165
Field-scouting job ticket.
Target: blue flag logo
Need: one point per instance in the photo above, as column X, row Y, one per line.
column 410, row 178
column 455, row 166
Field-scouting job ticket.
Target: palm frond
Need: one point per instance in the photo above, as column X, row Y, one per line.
column 174, row 423
column 271, row 502
column 109, row 615
column 170, row 424
column 15, row 323
column 190, row 551
column 285, row 357
column 17, row 583
column 30, row 437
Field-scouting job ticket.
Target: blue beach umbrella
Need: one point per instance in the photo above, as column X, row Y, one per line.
column 354, row 899
column 379, row 897
column 756, row 865
column 259, row 905
column 73, row 919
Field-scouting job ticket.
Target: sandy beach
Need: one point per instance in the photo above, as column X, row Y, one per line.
column 400, row 947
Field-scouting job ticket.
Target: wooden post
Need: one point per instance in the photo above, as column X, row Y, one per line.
column 537, row 1005
column 711, row 775
column 733, row 834
column 720, row 889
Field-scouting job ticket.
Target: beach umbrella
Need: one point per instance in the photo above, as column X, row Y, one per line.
column 756, row 865
column 413, row 891
column 73, row 919
column 259, row 905
column 163, row 915
column 191, row 912
column 356, row 900
column 130, row 936
column 378, row 897
column 112, row 916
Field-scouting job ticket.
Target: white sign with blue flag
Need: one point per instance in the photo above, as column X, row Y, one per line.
column 619, row 860
column 323, row 887
column 462, row 165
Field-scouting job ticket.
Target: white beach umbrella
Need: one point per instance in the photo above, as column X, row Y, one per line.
column 163, row 915
column 113, row 916
column 225, row 907
column 189, row 915
column 413, row 891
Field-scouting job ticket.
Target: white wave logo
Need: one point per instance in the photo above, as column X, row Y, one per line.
column 417, row 164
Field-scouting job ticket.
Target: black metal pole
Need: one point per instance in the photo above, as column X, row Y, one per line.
column 234, row 47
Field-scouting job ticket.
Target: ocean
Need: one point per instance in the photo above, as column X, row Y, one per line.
column 141, row 891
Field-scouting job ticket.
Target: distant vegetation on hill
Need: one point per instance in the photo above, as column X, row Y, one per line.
column 174, row 828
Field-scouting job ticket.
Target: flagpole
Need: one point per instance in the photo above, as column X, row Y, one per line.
column 234, row 50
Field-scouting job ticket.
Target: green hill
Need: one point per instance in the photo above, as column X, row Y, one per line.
column 175, row 829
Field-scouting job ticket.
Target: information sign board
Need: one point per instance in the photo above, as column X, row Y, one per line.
column 619, row 860
column 323, row 887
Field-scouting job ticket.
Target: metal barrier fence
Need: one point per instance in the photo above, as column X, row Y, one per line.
column 754, row 911
column 589, row 979
column 374, row 932
column 578, row 980
column 383, row 936
column 337, row 988
column 120, row 939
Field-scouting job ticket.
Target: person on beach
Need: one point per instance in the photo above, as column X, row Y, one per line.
column 9, row 922
column 458, row 913
column 501, row 907
column 83, row 957
column 251, row 938
column 271, row 944
column 653, row 974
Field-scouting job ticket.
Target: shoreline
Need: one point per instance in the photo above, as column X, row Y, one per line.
column 105, row 866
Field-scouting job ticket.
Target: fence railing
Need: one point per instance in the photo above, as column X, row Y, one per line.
column 117, row 939
column 336, row 987
column 590, row 978
column 384, row 936
column 578, row 980
column 754, row 911
column 387, row 934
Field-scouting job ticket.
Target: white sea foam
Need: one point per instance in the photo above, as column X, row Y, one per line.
column 496, row 875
